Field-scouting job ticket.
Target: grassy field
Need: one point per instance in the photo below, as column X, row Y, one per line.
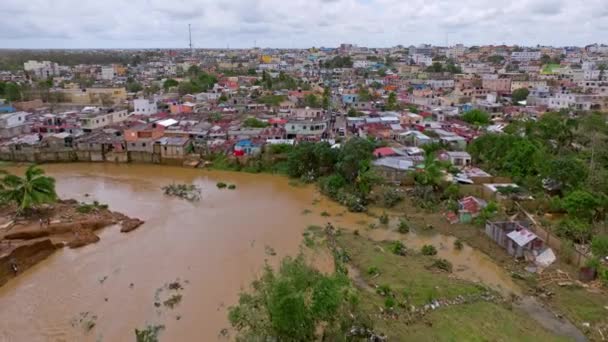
column 412, row 282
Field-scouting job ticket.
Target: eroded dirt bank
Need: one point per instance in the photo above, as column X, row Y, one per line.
column 28, row 239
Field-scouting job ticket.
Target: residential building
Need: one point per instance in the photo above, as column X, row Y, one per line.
column 144, row 106
column 13, row 124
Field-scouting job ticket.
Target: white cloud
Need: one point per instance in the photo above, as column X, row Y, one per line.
column 298, row 23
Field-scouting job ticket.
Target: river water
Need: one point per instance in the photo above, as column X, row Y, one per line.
column 215, row 247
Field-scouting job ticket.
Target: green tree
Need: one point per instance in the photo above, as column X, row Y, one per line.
column 289, row 305
column 312, row 101
column 568, row 171
column 520, row 94
column 33, row 189
column 391, row 103
column 255, row 123
column 581, row 204
column 326, row 98
column 355, row 157
column 170, row 83
column 364, row 94
column 435, row 67
column 431, row 175
column 599, row 246
column 476, row 117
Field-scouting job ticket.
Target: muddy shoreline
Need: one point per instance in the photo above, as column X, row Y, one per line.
column 27, row 240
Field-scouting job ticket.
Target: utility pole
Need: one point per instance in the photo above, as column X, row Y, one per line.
column 190, row 39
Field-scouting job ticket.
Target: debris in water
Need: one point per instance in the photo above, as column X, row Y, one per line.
column 175, row 286
column 173, row 301
column 149, row 334
column 86, row 320
column 188, row 192
column 270, row 251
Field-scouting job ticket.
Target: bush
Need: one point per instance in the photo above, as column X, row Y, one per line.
column 221, row 185
column 603, row 276
column 373, row 270
column 389, row 303
column 398, row 248
column 443, row 265
column 403, row 227
column 383, row 219
column 458, row 245
column 231, row 186
column 599, row 246
column 429, row 250
column 390, row 197
column 384, row 290
column 574, row 229
column 331, row 185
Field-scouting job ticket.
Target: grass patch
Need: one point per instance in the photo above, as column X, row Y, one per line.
column 405, row 281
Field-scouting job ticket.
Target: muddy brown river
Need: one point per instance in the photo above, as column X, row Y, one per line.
column 215, row 247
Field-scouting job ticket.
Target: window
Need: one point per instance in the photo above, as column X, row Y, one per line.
column 133, row 144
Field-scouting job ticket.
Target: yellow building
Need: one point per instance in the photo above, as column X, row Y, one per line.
column 95, row 96
column 266, row 59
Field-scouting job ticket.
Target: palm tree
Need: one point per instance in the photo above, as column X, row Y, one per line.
column 32, row 189
column 431, row 175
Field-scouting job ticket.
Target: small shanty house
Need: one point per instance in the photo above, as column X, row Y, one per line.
column 522, row 241
column 515, row 237
column 498, row 231
column 469, row 207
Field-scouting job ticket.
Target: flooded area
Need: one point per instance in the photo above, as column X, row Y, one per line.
column 213, row 247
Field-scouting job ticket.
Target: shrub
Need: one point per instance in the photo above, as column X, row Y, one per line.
column 443, row 265
column 221, row 185
column 593, row 263
column 574, row 229
column 331, row 185
column 403, row 227
column 397, row 248
column 389, row 303
column 603, row 276
column 390, row 197
column 383, row 219
column 429, row 250
column 384, row 290
column 373, row 270
column 599, row 246
column 231, row 186
column 325, row 214
column 458, row 245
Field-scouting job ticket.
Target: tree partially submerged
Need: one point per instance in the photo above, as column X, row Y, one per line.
column 33, row 189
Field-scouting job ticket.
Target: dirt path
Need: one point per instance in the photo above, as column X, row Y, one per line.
column 549, row 320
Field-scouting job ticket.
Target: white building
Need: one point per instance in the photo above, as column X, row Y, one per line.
column 107, row 73
column 525, row 56
column 422, row 59
column 455, row 51
column 13, row 124
column 42, row 70
column 144, row 106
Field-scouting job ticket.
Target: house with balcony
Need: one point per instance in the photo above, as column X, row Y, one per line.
column 306, row 129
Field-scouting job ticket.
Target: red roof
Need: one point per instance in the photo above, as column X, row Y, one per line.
column 384, row 152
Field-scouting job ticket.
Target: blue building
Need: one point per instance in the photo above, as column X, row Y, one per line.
column 350, row 98
column 6, row 108
column 246, row 147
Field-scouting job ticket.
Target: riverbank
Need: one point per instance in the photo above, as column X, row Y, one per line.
column 29, row 239
column 586, row 306
column 409, row 297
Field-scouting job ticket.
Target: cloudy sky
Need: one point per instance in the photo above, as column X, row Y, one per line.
column 298, row 23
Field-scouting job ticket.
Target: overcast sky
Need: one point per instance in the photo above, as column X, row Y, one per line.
column 298, row 23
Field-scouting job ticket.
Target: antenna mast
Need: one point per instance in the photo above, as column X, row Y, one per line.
column 190, row 39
